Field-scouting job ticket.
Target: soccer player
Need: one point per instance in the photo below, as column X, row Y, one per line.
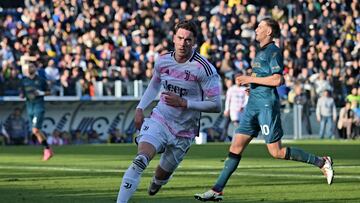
column 235, row 102
column 190, row 85
column 263, row 113
column 34, row 88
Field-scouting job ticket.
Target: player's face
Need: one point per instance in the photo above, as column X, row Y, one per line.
column 262, row 31
column 32, row 69
column 184, row 41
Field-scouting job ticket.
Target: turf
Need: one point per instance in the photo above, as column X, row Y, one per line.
column 92, row 173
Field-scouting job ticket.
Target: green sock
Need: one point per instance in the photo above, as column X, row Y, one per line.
column 230, row 166
column 302, row 156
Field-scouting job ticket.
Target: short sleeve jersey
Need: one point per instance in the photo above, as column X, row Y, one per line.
column 29, row 86
column 268, row 61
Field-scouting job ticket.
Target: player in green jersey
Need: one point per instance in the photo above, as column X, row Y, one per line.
column 263, row 113
column 34, row 88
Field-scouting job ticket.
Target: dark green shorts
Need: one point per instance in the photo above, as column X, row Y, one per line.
column 265, row 118
column 36, row 113
column 36, row 119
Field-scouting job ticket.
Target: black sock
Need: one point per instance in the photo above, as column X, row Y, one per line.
column 45, row 144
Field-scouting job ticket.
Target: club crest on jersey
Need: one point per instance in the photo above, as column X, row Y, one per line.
column 187, row 75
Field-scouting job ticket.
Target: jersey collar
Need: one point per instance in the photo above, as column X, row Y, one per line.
column 266, row 45
column 189, row 60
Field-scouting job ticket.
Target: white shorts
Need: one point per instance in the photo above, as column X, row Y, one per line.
column 173, row 148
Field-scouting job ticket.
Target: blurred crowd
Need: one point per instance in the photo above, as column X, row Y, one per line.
column 81, row 42
column 77, row 43
column 14, row 130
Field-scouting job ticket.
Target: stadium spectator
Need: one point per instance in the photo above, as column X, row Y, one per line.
column 79, row 138
column 354, row 97
column 16, row 128
column 301, row 98
column 321, row 83
column 93, row 137
column 110, row 30
column 116, row 137
column 56, row 138
column 12, row 82
column 53, row 77
column 326, row 114
column 346, row 122
column 76, row 33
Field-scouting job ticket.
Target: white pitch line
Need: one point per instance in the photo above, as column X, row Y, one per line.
column 181, row 173
column 261, row 166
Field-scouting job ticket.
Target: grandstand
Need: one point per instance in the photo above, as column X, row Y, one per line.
column 98, row 58
column 105, row 50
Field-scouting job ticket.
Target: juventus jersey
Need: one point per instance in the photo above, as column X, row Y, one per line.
column 194, row 80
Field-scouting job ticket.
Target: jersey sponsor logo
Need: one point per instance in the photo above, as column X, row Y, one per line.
column 146, row 127
column 256, row 65
column 275, row 67
column 176, row 89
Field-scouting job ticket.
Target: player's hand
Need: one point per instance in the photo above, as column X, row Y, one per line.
column 174, row 100
column 247, row 90
column 39, row 93
column 243, row 79
column 226, row 113
column 139, row 118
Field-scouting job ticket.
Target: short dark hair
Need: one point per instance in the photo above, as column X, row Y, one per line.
column 274, row 27
column 187, row 25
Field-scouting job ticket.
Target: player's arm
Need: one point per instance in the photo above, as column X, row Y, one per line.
column 44, row 91
column 275, row 61
column 272, row 80
column 210, row 83
column 149, row 95
column 211, row 104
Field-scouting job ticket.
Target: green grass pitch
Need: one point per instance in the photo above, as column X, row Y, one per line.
column 92, row 173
